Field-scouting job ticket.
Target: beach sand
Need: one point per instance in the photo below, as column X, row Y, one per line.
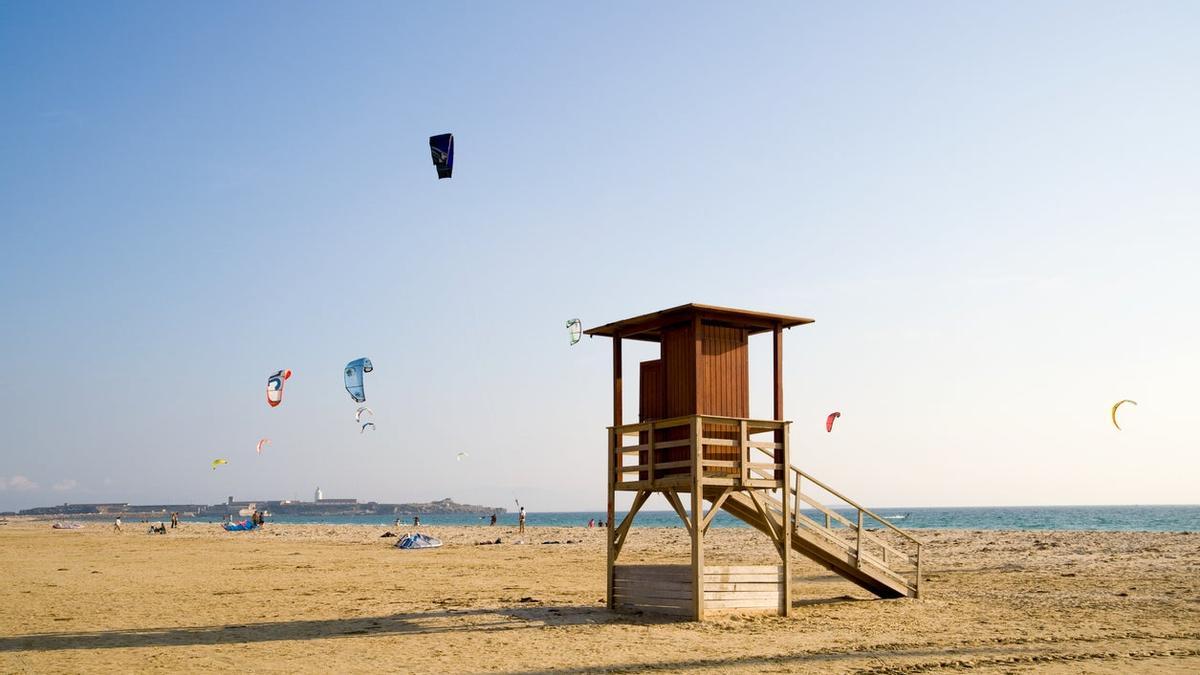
column 308, row 598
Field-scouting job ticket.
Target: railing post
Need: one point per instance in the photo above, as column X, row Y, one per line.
column 918, row 570
column 650, row 455
column 743, row 452
column 858, row 543
column 827, row 521
column 796, row 502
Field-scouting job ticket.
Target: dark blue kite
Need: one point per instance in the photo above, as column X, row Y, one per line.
column 442, row 149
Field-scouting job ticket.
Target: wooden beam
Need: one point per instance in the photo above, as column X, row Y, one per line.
column 677, row 504
column 650, row 455
column 716, row 506
column 697, row 364
column 789, row 525
column 611, row 529
column 623, row 529
column 776, row 537
column 697, row 509
column 777, row 354
column 617, row 383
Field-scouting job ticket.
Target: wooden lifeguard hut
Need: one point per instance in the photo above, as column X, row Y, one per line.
column 694, row 440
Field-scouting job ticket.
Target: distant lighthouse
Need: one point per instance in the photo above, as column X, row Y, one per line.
column 317, row 494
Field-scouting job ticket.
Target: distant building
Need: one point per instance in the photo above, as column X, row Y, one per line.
column 317, row 494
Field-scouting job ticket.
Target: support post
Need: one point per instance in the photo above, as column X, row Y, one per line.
column 780, row 474
column 697, row 531
column 617, row 383
column 611, row 527
column 789, row 524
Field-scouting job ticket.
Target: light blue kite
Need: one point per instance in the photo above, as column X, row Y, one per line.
column 354, row 378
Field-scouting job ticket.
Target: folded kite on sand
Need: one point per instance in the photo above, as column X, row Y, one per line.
column 244, row 526
column 418, row 540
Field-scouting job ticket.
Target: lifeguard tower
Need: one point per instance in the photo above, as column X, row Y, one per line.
column 694, row 440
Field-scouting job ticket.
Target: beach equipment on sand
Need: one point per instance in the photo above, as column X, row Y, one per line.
column 418, row 540
column 1114, row 411
column 275, row 387
column 829, row 420
column 575, row 327
column 261, row 442
column 359, row 413
column 218, row 462
column 244, row 526
column 441, row 147
column 354, row 378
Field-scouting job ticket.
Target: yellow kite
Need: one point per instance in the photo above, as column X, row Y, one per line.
column 1114, row 411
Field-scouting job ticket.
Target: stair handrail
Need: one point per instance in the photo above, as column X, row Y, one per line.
column 854, row 504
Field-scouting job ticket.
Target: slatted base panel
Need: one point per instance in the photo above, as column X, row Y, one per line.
column 743, row 588
column 654, row 589
column 667, row 589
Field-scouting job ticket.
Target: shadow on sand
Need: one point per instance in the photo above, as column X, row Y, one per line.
column 415, row 623
column 409, row 623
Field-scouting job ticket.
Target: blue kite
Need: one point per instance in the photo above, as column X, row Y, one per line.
column 354, row 378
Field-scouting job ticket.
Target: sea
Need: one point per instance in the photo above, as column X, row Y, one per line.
column 1184, row 518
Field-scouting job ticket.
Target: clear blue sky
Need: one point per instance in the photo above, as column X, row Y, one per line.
column 991, row 211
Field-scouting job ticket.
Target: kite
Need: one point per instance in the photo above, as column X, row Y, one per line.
column 359, row 413
column 261, row 442
column 275, row 387
column 576, row 329
column 1114, row 411
column 354, row 378
column 417, row 540
column 218, row 462
column 461, row 455
column 365, row 425
column 829, row 420
column 442, row 149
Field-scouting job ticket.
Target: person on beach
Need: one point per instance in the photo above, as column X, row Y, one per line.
column 591, row 523
column 521, row 521
column 493, row 519
column 416, row 521
column 117, row 525
column 174, row 519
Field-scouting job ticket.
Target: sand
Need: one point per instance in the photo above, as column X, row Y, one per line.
column 340, row 599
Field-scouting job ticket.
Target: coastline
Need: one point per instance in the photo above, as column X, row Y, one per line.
column 300, row 598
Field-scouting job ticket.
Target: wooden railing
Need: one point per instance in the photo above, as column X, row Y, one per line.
column 707, row 436
column 900, row 559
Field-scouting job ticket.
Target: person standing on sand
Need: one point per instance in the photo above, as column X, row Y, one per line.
column 174, row 519
column 117, row 525
column 493, row 519
column 521, row 521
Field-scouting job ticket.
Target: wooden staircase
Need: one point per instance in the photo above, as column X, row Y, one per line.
column 886, row 561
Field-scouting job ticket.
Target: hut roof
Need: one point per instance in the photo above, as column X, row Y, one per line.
column 649, row 327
